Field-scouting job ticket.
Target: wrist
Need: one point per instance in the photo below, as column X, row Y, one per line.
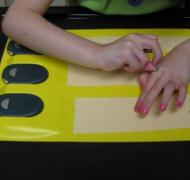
column 94, row 56
column 187, row 51
column 185, row 48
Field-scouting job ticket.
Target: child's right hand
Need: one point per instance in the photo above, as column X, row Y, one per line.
column 128, row 53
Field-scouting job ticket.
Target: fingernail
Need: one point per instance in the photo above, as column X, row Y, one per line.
column 162, row 107
column 144, row 111
column 137, row 108
column 179, row 103
column 141, row 109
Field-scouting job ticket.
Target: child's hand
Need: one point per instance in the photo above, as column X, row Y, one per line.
column 128, row 53
column 173, row 74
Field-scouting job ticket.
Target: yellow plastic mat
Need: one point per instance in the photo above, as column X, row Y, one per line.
column 84, row 105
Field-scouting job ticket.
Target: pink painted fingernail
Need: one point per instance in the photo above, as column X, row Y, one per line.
column 179, row 104
column 137, row 108
column 141, row 109
column 162, row 107
column 144, row 111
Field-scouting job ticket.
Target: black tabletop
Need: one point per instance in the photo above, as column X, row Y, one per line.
column 138, row 161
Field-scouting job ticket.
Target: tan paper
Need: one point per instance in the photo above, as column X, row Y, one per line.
column 105, row 115
column 80, row 76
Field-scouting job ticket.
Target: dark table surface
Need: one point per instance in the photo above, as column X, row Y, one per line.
column 44, row 161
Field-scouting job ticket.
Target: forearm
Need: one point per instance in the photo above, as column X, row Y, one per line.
column 33, row 31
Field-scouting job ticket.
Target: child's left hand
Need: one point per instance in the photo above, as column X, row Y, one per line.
column 173, row 74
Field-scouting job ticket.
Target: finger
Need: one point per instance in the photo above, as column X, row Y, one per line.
column 151, row 43
column 140, row 55
column 157, row 53
column 143, row 79
column 181, row 96
column 154, row 77
column 167, row 93
column 156, row 50
column 150, row 81
column 152, row 95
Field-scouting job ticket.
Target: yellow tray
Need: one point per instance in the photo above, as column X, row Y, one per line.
column 83, row 105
